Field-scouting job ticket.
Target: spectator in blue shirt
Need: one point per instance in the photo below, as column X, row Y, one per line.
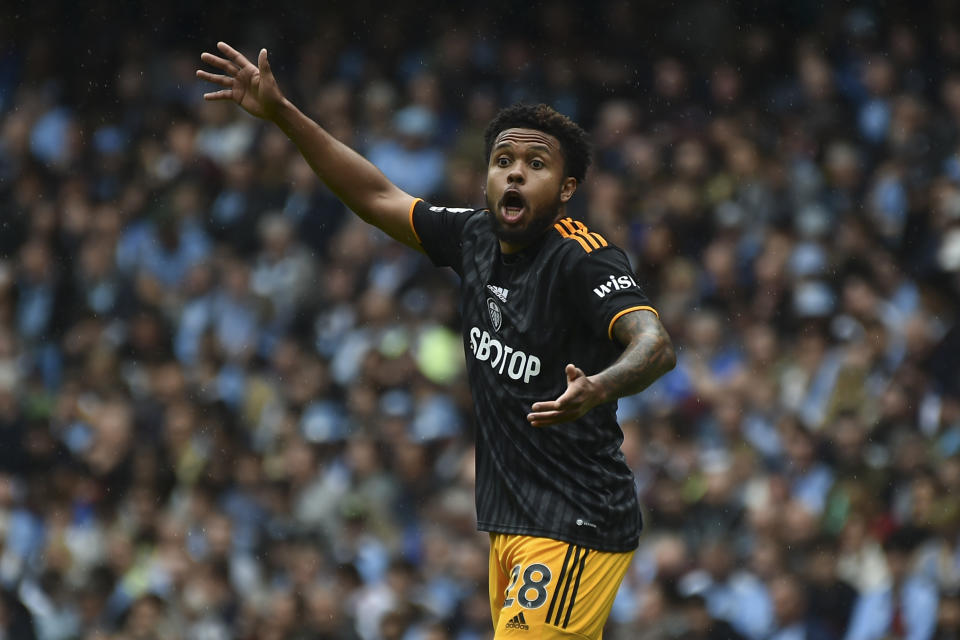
column 904, row 608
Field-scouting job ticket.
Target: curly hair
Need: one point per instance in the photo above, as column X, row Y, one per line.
column 574, row 144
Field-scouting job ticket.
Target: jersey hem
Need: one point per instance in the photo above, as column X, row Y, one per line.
column 553, row 535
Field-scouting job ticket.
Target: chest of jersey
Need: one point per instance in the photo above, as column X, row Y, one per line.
column 518, row 322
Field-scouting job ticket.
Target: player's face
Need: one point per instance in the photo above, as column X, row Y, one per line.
column 526, row 186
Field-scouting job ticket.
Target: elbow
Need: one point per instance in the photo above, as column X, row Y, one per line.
column 668, row 357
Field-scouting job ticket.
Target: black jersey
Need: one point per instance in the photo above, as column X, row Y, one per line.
column 525, row 317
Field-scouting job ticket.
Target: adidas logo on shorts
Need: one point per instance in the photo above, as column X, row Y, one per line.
column 518, row 622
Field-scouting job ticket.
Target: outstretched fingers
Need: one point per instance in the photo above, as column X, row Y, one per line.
column 235, row 56
column 216, row 78
column 220, row 63
column 548, row 418
column 231, row 65
column 549, row 412
column 572, row 403
column 223, row 81
column 223, row 94
column 550, row 405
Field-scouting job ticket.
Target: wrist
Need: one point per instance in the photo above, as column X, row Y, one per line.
column 284, row 115
column 601, row 391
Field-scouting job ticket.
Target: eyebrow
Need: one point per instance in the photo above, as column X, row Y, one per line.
column 533, row 147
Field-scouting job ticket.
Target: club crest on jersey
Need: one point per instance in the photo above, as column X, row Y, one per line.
column 496, row 316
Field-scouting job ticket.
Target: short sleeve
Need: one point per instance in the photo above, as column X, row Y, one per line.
column 439, row 231
column 606, row 288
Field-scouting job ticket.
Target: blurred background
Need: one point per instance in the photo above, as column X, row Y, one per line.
column 230, row 410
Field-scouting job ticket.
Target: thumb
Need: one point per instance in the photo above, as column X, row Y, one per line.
column 573, row 373
column 263, row 63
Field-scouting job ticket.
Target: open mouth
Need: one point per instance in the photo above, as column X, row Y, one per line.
column 512, row 205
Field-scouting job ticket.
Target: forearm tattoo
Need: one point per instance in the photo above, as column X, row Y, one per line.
column 647, row 356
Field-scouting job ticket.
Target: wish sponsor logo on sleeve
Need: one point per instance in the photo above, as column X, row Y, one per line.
column 450, row 209
column 615, row 283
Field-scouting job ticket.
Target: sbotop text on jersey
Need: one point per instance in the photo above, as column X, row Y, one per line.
column 502, row 357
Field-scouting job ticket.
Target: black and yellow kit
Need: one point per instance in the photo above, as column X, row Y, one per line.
column 525, row 317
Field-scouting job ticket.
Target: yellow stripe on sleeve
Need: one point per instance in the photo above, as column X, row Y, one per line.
column 410, row 218
column 625, row 312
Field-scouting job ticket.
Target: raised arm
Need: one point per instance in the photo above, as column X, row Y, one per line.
column 359, row 184
column 647, row 355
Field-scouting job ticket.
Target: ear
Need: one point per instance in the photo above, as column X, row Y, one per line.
column 567, row 188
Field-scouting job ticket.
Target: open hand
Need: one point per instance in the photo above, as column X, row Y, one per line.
column 252, row 87
column 582, row 394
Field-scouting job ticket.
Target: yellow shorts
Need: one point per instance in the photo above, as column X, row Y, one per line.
column 542, row 589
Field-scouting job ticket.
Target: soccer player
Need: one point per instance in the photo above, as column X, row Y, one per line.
column 555, row 329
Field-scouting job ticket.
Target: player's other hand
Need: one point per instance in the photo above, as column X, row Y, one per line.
column 582, row 394
column 252, row 87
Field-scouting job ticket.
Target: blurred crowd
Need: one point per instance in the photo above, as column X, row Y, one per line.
column 228, row 409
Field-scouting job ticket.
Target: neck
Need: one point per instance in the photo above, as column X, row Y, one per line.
column 507, row 248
